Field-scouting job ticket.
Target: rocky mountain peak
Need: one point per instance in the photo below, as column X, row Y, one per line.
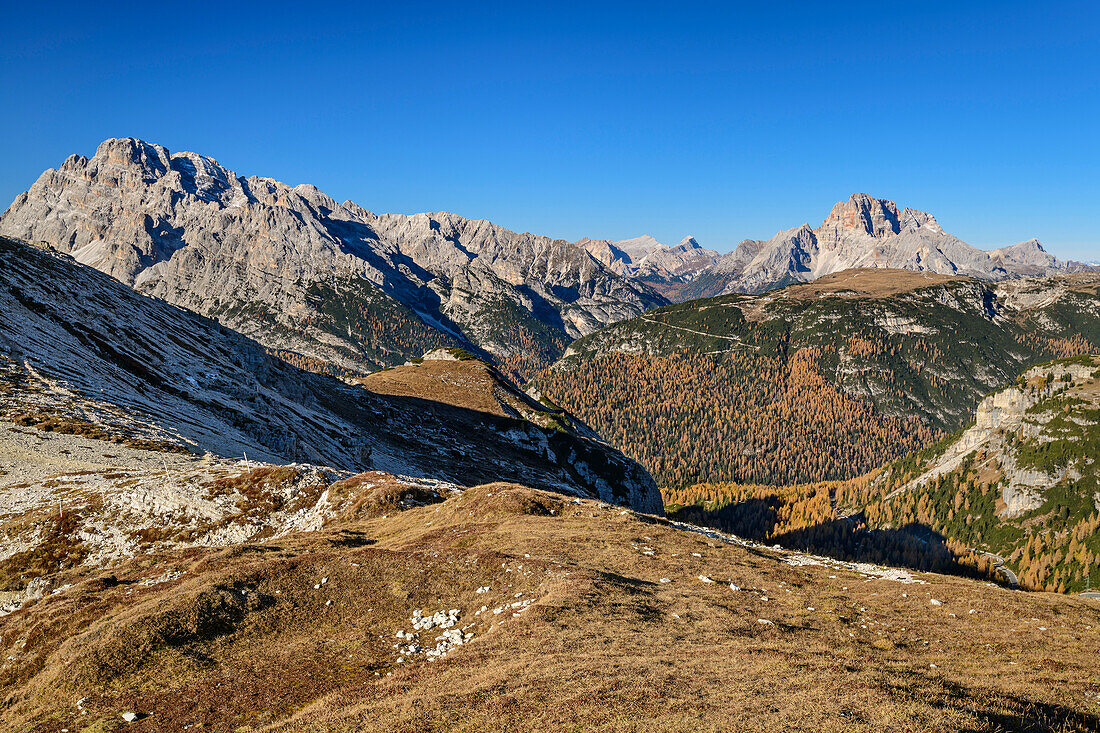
column 316, row 198
column 638, row 247
column 869, row 232
column 131, row 153
column 1031, row 245
column 865, row 213
column 74, row 162
column 1025, row 254
column 913, row 219
column 686, row 244
column 204, row 177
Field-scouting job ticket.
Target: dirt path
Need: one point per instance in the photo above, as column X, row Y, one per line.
column 735, row 339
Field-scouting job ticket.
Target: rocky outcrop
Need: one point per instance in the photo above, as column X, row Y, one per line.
column 1017, row 419
column 296, row 270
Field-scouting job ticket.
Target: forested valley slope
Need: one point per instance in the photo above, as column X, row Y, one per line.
column 773, row 416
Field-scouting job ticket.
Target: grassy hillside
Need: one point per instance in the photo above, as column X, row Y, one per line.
column 572, row 615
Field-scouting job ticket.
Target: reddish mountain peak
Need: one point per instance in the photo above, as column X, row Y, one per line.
column 862, row 212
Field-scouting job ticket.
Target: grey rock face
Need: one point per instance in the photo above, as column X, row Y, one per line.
column 87, row 347
column 294, row 269
column 1022, row 414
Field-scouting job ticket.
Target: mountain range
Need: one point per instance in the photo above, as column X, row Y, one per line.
column 301, row 273
column 269, row 462
column 297, row 271
column 862, row 232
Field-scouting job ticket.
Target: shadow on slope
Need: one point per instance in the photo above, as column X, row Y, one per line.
column 914, row 545
column 443, row 441
column 1009, row 713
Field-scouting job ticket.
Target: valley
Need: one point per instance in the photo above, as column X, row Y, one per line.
column 815, row 382
column 802, row 417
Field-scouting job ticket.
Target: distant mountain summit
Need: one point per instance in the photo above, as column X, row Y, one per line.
column 867, row 232
column 862, row 232
column 644, row 256
column 296, row 270
column 1029, row 258
column 674, row 272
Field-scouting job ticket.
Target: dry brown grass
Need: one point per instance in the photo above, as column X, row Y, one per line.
column 375, row 493
column 59, row 546
column 243, row 641
column 51, row 422
column 469, row 383
column 869, row 282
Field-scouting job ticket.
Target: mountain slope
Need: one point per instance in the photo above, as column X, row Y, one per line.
column 296, row 270
column 82, row 354
column 1022, row 482
column 80, row 347
column 818, row 381
column 1016, row 495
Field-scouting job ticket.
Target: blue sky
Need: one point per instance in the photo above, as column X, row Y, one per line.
column 724, row 121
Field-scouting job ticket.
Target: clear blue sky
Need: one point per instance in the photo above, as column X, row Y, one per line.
column 725, row 121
